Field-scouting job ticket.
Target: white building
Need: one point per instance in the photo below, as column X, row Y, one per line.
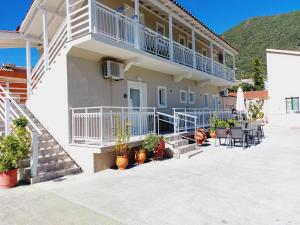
column 283, row 82
column 129, row 58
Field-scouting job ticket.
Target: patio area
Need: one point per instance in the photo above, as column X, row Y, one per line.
column 257, row 185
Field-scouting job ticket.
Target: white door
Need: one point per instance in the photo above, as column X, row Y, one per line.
column 137, row 95
column 137, row 101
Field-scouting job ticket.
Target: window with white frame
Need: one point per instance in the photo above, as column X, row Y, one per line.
column 215, row 102
column 183, row 96
column 181, row 40
column 206, row 100
column 160, row 28
column 161, row 97
column 192, row 97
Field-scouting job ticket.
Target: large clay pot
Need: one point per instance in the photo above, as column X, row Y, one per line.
column 212, row 134
column 8, row 179
column 122, row 162
column 141, row 156
column 200, row 136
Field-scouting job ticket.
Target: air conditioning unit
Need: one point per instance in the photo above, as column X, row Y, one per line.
column 113, row 70
column 224, row 93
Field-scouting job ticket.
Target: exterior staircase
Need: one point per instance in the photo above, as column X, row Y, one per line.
column 179, row 145
column 53, row 161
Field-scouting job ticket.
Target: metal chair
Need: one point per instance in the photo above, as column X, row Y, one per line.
column 222, row 134
column 237, row 134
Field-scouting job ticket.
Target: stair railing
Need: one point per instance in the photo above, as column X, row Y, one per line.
column 9, row 109
column 166, row 118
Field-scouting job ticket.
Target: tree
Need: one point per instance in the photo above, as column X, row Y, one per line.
column 257, row 75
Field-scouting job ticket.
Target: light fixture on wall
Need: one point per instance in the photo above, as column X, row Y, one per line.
column 139, row 79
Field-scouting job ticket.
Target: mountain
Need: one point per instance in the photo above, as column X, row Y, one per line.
column 253, row 36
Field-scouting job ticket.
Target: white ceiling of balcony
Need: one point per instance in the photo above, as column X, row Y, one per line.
column 33, row 23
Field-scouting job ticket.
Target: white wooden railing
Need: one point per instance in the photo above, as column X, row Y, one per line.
column 99, row 125
column 56, row 45
column 183, row 55
column 203, row 63
column 204, row 116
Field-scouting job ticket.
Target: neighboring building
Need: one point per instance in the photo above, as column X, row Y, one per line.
column 283, row 81
column 247, row 81
column 13, row 79
column 132, row 59
column 250, row 97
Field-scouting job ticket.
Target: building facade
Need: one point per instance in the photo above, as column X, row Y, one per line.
column 140, row 60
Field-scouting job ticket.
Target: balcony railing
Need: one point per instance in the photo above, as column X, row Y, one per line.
column 109, row 23
column 101, row 125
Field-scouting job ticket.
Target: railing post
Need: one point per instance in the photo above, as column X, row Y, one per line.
column 224, row 63
column 68, row 20
column 73, row 126
column 34, row 155
column 154, row 118
column 185, row 120
column 171, row 48
column 158, row 120
column 137, row 22
column 92, row 15
column 86, row 126
column 7, row 111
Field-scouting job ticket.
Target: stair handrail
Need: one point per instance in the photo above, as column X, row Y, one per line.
column 175, row 123
column 185, row 115
column 7, row 95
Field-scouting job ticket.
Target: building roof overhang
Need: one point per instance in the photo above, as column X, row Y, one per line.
column 14, row 39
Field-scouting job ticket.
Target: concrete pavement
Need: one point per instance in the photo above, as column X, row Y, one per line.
column 257, row 186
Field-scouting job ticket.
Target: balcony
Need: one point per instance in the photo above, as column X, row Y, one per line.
column 103, row 21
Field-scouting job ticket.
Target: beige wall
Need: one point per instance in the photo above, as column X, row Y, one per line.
column 87, row 87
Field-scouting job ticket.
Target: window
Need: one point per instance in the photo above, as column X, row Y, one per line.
column 181, row 40
column 162, row 97
column 160, row 29
column 206, row 101
column 292, row 104
column 190, row 44
column 215, row 103
column 204, row 52
column 192, row 97
column 183, row 96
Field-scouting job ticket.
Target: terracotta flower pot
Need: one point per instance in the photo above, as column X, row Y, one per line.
column 140, row 156
column 8, row 179
column 122, row 162
column 212, row 134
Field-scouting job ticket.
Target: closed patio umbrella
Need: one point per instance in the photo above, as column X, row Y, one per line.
column 240, row 102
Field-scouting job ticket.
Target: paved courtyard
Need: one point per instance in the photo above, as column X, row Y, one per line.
column 257, row 186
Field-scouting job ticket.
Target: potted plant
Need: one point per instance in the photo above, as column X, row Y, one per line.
column 122, row 147
column 213, row 125
column 13, row 148
column 148, row 146
column 159, row 149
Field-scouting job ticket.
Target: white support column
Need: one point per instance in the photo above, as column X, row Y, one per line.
column 34, row 154
column 7, row 111
column 194, row 47
column 224, row 64
column 92, row 16
column 28, row 66
column 46, row 41
column 137, row 23
column 212, row 57
column 68, row 19
column 171, row 49
column 234, row 66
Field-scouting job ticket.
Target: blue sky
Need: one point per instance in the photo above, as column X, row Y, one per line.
column 220, row 15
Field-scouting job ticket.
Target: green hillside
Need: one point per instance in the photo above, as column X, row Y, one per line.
column 252, row 37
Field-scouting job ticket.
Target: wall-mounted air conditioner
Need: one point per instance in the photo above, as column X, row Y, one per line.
column 224, row 93
column 113, row 70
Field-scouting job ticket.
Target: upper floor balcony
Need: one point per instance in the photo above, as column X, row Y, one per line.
column 145, row 26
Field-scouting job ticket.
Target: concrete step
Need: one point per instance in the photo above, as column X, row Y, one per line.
column 186, row 148
column 47, row 144
column 54, row 159
column 179, row 143
column 55, row 175
column 49, row 168
column 172, row 137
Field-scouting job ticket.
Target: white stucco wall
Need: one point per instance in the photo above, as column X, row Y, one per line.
column 283, row 79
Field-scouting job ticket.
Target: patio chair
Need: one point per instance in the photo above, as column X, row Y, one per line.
column 222, row 134
column 255, row 135
column 237, row 134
